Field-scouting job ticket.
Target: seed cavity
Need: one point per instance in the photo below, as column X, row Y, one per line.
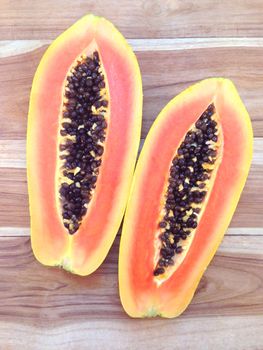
column 83, row 132
column 188, row 184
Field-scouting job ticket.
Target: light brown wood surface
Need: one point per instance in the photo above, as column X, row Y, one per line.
column 177, row 43
column 29, row 19
column 165, row 73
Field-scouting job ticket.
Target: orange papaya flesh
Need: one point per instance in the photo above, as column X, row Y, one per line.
column 187, row 183
column 83, row 135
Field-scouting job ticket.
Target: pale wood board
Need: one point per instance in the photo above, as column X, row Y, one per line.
column 29, row 19
column 177, row 43
column 47, row 308
column 14, row 200
column 165, row 73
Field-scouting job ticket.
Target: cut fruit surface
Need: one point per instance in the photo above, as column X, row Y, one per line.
column 187, row 183
column 83, row 135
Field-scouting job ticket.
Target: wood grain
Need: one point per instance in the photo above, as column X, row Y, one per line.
column 18, row 47
column 7, row 231
column 47, row 308
column 137, row 19
column 177, row 43
column 198, row 333
column 232, row 281
column 14, row 200
column 13, row 153
column 165, row 73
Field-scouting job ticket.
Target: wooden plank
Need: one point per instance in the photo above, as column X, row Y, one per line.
column 165, row 73
column 235, row 274
column 7, row 231
column 199, row 333
column 14, row 200
column 13, row 196
column 17, row 47
column 43, row 306
column 13, row 153
column 144, row 19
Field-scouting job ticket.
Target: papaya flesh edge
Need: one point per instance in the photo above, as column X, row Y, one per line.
column 140, row 291
column 83, row 252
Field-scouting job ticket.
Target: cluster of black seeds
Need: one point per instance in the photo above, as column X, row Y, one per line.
column 83, row 132
column 189, row 172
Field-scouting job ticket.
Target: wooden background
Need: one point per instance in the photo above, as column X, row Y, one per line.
column 177, row 43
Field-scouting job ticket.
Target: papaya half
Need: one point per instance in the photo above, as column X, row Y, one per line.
column 187, row 183
column 83, row 136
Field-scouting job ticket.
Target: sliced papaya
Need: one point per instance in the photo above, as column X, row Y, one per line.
column 83, row 135
column 187, row 183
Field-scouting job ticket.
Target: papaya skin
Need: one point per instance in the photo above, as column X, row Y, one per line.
column 83, row 252
column 140, row 295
